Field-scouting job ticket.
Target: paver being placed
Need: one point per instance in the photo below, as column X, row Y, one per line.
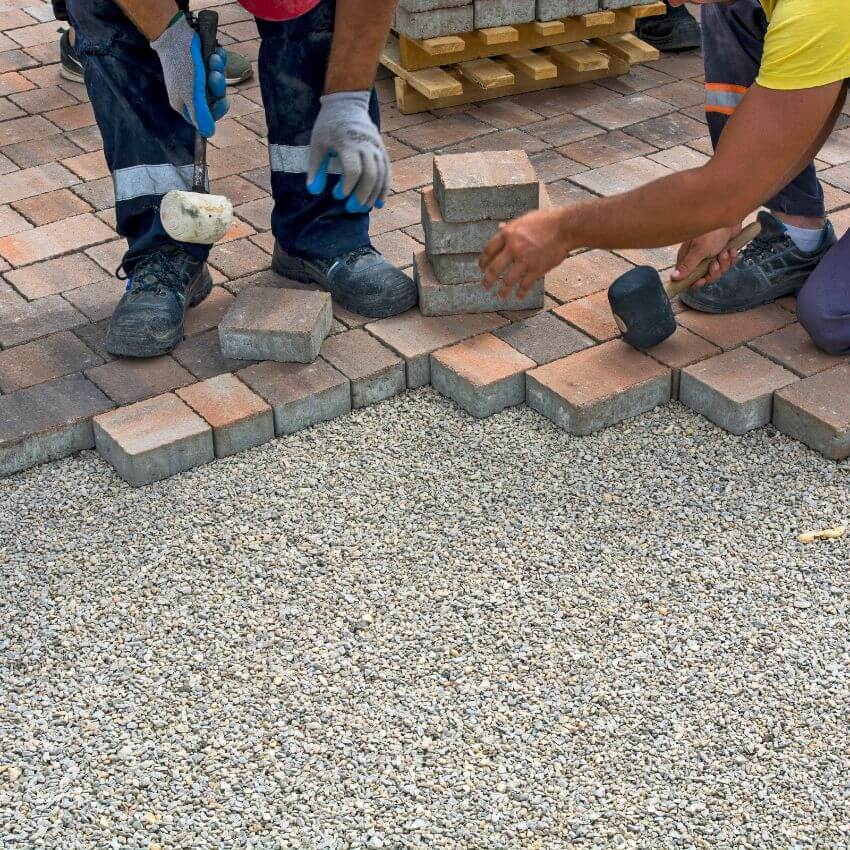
column 816, row 411
column 597, row 387
column 48, row 422
column 446, row 237
column 300, row 394
column 483, row 374
column 414, row 336
column 240, row 419
column 498, row 185
column 437, row 299
column 375, row 372
column 735, row 389
column 153, row 439
column 544, row 338
column 793, row 348
column 286, row 325
column 592, row 315
column 682, row 349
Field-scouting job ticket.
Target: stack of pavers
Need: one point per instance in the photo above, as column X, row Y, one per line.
column 471, row 195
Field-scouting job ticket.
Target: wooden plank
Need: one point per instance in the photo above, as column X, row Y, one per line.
column 580, row 57
column 435, row 83
column 442, row 46
column 546, row 29
column 533, row 65
column 648, row 10
column 486, row 73
column 410, row 101
column 629, row 47
column 498, row 35
column 604, row 17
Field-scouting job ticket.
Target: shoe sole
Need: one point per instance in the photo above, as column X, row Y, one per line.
column 141, row 346
column 235, row 81
column 71, row 76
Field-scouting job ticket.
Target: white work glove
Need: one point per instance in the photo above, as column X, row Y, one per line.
column 187, row 80
column 344, row 130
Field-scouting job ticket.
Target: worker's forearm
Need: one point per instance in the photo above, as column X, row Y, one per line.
column 151, row 17
column 360, row 31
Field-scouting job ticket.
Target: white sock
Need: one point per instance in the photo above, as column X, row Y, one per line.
column 805, row 238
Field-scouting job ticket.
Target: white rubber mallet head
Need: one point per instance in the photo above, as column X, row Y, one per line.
column 195, row 217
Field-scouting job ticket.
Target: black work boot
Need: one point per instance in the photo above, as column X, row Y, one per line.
column 148, row 320
column 362, row 281
column 768, row 268
column 69, row 65
column 677, row 30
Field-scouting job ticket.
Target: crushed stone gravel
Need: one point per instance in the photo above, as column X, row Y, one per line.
column 412, row 629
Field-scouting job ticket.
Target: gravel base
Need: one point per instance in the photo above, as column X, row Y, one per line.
column 408, row 628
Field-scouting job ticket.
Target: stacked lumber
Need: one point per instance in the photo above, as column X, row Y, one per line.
column 437, row 71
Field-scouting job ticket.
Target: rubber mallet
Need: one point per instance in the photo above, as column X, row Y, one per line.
column 640, row 301
column 197, row 216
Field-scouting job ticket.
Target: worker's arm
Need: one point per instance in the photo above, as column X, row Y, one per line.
column 345, row 137
column 761, row 150
column 151, row 17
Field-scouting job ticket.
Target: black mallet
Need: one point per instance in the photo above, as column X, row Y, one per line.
column 640, row 301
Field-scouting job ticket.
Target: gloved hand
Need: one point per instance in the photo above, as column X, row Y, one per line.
column 179, row 51
column 344, row 130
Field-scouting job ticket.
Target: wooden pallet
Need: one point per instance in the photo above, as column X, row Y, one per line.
column 417, row 55
column 486, row 78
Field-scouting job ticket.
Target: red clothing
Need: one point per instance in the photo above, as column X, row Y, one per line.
column 279, row 10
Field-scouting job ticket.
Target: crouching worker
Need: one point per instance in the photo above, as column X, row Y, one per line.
column 151, row 92
column 776, row 81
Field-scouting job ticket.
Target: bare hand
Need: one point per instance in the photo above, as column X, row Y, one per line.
column 523, row 251
column 713, row 244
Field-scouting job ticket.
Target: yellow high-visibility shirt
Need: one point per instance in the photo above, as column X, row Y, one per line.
column 807, row 43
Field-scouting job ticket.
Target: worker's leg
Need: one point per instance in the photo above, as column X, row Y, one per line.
column 293, row 62
column 148, row 146
column 823, row 304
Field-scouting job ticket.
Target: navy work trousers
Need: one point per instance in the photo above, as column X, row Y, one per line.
column 150, row 148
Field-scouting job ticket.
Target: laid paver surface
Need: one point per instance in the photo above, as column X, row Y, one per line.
column 59, row 247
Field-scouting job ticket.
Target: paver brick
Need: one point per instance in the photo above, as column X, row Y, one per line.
column 606, row 149
column 615, row 113
column 52, row 206
column 436, row 22
column 43, row 360
column 153, row 439
column 21, row 323
column 239, row 418
column 201, row 355
column 301, row 395
column 793, row 348
column 414, row 336
column 375, row 371
column 551, row 10
column 500, row 13
column 544, row 338
column 591, row 315
column 733, row 329
column 129, row 381
column 209, row 313
column 34, row 181
column 483, row 374
column 60, row 237
column 816, row 411
column 597, row 387
column 621, row 176
column 584, row 274
column 734, row 390
column 497, row 185
column 445, row 237
column 455, row 269
column 436, row 299
column 48, row 422
column 97, row 300
column 286, row 325
column 682, row 349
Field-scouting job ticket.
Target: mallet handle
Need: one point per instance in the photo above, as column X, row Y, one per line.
column 207, row 30
column 674, row 287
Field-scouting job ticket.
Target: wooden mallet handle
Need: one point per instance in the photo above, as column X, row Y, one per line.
column 674, row 287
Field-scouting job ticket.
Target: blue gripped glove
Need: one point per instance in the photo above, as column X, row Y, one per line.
column 345, row 139
column 186, row 79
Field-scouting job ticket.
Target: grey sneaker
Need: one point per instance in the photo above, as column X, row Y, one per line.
column 768, row 268
column 238, row 69
column 362, row 281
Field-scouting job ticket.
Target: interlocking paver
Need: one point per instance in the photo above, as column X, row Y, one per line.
column 606, row 149
column 444, row 237
column 591, row 315
column 240, row 419
column 21, row 323
column 483, row 374
column 620, row 112
column 12, row 222
column 201, row 355
column 51, row 206
column 153, row 439
column 792, row 347
column 598, row 387
column 51, row 240
column 129, row 381
column 667, row 130
column 43, row 360
column 55, row 276
column 544, row 338
column 734, row 329
column 734, row 389
column 34, row 181
column 300, row 394
column 375, row 371
column 816, row 411
column 286, row 325
column 563, row 129
column 583, row 274
column 97, row 300
column 209, row 312
column 48, row 422
column 682, row 349
column 621, row 176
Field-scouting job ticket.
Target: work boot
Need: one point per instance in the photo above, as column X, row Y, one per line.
column 148, row 320
column 768, row 268
column 362, row 281
column 677, row 30
column 237, row 70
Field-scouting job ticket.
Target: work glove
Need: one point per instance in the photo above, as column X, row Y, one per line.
column 187, row 80
column 345, row 140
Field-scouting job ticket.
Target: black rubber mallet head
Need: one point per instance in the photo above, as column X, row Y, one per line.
column 640, row 301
